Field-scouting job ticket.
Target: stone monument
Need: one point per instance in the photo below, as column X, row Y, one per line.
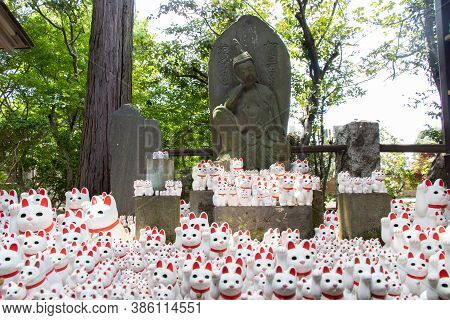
column 249, row 94
column 362, row 139
column 133, row 140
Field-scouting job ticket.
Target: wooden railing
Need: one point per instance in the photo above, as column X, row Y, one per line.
column 337, row 148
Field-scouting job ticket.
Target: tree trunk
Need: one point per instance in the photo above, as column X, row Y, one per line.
column 108, row 87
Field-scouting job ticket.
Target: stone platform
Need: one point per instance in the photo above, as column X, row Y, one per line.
column 259, row 219
column 160, row 211
column 201, row 201
column 360, row 214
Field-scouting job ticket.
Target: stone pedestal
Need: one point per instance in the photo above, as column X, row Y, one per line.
column 201, row 201
column 160, row 170
column 360, row 214
column 318, row 208
column 160, row 211
column 259, row 219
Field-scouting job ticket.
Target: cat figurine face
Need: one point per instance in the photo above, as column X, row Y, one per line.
column 34, row 243
column 435, row 193
column 277, row 169
column 162, row 292
column 191, row 236
column 395, row 287
column 397, row 206
column 379, row 284
column 244, row 252
column 201, row 221
column 15, row 291
column 152, row 244
column 219, row 239
column 105, row 250
column 242, row 238
column 32, row 273
column 236, row 164
column 45, row 294
column 326, row 233
column 165, row 275
column 185, row 208
column 416, row 265
column 10, row 261
column 76, row 199
column 272, row 237
column 70, row 218
column 397, row 221
column 85, row 259
column 332, row 282
column 300, row 166
column 263, row 262
column 301, row 257
column 284, row 284
column 430, row 244
column 443, row 285
column 35, row 217
column 136, row 263
column 230, row 283
column 201, row 277
column 7, row 198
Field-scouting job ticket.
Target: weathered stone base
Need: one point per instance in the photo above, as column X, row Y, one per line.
column 159, row 171
column 360, row 214
column 160, row 211
column 201, row 201
column 259, row 219
column 318, row 208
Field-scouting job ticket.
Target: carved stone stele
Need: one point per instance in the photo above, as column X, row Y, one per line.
column 249, row 94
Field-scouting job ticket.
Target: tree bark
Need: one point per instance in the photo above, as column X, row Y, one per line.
column 108, row 87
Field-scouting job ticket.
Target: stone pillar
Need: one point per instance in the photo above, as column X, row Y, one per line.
column 318, row 208
column 160, row 170
column 160, row 211
column 362, row 139
column 360, row 214
column 133, row 139
column 201, row 201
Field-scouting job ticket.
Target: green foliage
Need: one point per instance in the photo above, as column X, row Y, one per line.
column 410, row 45
column 403, row 172
column 42, row 96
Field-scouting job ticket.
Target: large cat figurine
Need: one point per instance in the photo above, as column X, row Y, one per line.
column 102, row 216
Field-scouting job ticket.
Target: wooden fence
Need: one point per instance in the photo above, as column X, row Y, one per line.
column 338, row 148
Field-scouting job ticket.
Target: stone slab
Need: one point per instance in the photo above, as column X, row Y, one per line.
column 201, row 201
column 133, row 139
column 160, row 211
column 159, row 171
column 360, row 214
column 318, row 208
column 259, row 219
column 269, row 93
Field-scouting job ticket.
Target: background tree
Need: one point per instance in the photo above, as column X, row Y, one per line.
column 410, row 45
column 42, row 96
column 108, row 87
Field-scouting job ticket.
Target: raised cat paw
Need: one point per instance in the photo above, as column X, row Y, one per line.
column 281, row 250
column 317, row 273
